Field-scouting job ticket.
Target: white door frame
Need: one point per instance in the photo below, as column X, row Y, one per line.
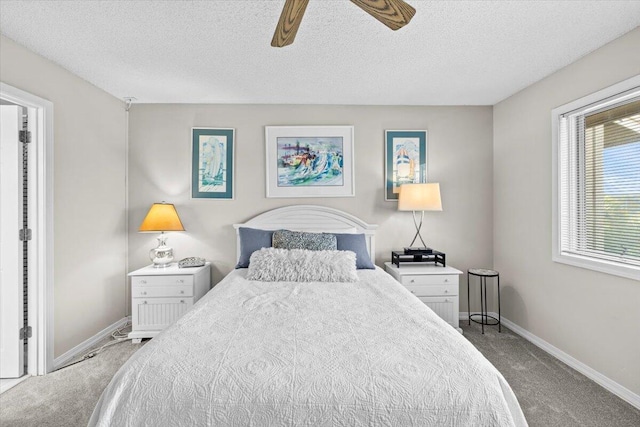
column 40, row 111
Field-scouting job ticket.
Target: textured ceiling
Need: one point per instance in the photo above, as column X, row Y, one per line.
column 451, row 53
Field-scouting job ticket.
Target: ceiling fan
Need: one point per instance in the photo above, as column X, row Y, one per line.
column 394, row 14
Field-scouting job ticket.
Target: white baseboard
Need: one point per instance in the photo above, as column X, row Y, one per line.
column 619, row 390
column 88, row 344
column 6, row 384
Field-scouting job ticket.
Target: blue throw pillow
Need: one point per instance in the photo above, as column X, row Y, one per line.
column 356, row 243
column 251, row 240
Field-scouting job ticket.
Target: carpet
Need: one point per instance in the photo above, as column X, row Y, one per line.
column 550, row 393
column 64, row 398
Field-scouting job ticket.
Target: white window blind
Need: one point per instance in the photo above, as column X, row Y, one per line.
column 598, row 151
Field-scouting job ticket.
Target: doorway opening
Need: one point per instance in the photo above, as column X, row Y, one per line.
column 26, row 223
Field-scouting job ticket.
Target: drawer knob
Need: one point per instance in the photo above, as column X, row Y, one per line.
column 144, row 302
column 446, row 291
column 413, row 292
column 446, row 280
column 143, row 281
column 180, row 281
column 182, row 292
column 144, row 293
column 181, row 301
column 413, row 280
column 446, row 300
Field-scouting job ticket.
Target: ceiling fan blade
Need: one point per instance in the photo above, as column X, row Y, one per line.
column 290, row 19
column 395, row 14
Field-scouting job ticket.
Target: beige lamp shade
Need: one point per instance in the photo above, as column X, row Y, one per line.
column 162, row 217
column 420, row 197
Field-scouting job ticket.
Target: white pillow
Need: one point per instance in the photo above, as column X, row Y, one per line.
column 300, row 265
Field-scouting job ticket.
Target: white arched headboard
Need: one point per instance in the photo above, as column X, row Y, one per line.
column 312, row 218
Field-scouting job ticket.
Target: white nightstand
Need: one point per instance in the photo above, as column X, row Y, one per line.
column 436, row 286
column 159, row 296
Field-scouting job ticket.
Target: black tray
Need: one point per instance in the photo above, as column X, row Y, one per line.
column 436, row 257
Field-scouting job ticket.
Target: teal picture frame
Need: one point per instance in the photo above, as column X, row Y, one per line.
column 405, row 160
column 212, row 163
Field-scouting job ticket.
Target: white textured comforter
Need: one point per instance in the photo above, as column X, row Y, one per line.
column 308, row 354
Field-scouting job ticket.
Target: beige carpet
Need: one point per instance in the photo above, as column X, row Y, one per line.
column 64, row 398
column 550, row 393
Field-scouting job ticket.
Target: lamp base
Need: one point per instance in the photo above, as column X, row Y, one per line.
column 162, row 255
column 418, row 250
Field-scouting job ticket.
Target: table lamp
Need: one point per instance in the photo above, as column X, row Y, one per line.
column 419, row 197
column 161, row 217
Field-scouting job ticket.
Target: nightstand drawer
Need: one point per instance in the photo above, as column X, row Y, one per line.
column 433, row 290
column 157, row 313
column 436, row 286
column 446, row 308
column 431, row 279
column 161, row 280
column 162, row 291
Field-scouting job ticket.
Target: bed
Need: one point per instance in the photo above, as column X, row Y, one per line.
column 361, row 353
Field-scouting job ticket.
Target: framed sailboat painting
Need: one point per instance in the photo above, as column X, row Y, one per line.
column 310, row 161
column 212, row 168
column 405, row 160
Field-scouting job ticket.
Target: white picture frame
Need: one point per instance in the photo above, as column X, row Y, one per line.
column 309, row 161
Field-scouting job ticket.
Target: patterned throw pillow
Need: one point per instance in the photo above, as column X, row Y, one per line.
column 286, row 239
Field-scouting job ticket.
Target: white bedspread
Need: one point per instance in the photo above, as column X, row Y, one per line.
column 308, row 354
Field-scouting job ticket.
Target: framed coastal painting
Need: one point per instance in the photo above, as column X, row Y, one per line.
column 405, row 160
column 310, row 161
column 212, row 152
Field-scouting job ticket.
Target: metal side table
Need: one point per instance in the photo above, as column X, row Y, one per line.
column 483, row 273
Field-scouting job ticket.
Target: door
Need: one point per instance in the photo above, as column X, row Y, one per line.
column 11, row 283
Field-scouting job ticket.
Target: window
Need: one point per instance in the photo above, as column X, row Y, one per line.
column 597, row 181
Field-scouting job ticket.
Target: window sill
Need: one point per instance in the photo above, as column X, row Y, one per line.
column 609, row 267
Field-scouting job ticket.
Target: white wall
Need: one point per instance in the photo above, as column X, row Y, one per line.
column 459, row 157
column 89, row 194
column 592, row 316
